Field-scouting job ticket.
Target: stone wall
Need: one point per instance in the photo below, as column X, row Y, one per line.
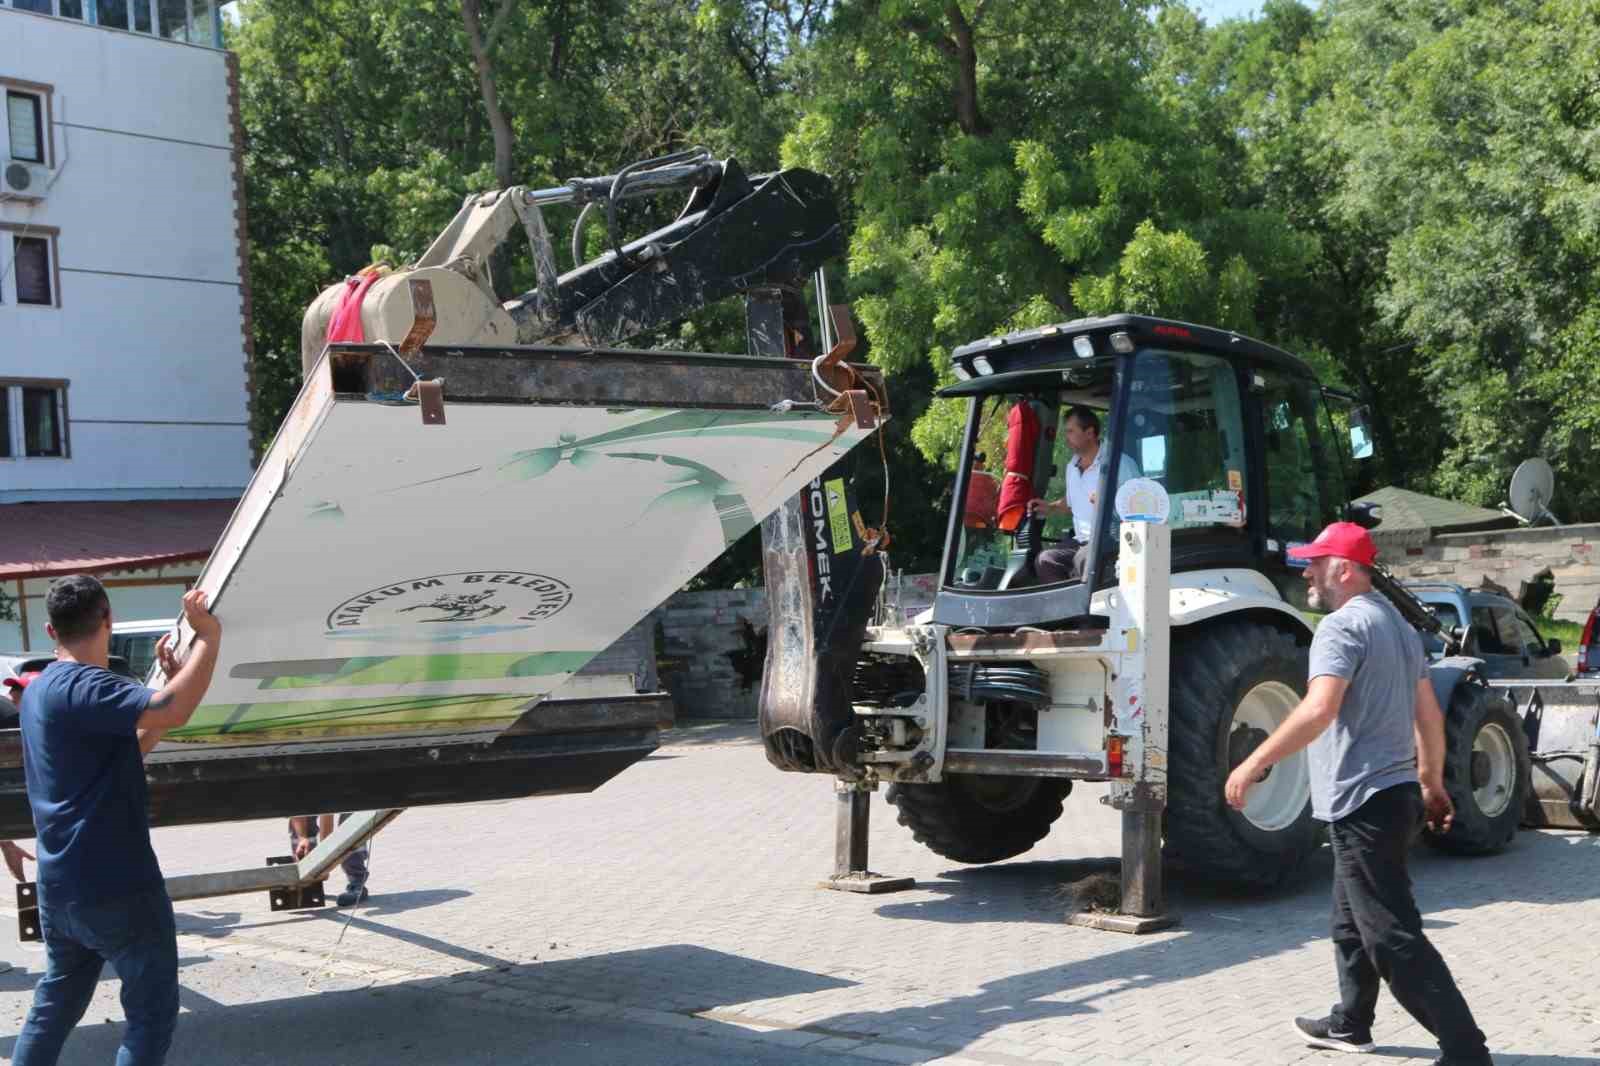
column 710, row 647
column 1511, row 558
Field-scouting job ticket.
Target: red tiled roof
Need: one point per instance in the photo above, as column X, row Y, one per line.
column 49, row 539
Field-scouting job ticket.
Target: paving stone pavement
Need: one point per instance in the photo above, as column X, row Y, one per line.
column 682, row 896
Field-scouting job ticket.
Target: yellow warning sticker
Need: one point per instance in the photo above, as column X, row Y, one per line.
column 838, row 514
column 1235, row 481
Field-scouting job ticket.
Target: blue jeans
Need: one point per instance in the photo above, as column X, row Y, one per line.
column 136, row 934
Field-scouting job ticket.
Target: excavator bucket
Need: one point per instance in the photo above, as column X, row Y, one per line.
column 1562, row 722
column 404, row 582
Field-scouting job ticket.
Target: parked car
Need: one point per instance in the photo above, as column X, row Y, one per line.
column 1496, row 630
column 17, row 663
column 1589, row 645
column 136, row 643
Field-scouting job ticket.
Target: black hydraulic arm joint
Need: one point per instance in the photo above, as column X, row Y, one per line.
column 1413, row 610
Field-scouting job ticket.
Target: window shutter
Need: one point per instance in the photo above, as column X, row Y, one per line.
column 23, row 121
column 33, row 270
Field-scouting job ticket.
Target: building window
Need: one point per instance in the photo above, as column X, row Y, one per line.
column 33, row 419
column 32, row 267
column 28, row 136
column 25, row 125
column 42, row 435
column 194, row 21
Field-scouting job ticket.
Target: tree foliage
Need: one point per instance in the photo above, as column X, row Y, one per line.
column 1403, row 192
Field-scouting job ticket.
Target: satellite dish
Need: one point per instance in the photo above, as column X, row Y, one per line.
column 1532, row 485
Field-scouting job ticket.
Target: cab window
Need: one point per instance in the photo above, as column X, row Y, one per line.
column 1528, row 635
column 1304, row 486
column 1486, row 634
column 1185, row 431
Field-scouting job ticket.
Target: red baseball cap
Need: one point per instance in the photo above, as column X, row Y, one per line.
column 1344, row 539
column 20, row 682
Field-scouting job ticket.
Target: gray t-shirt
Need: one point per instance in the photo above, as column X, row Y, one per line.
column 1372, row 745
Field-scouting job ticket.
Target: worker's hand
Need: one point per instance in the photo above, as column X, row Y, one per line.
column 1439, row 812
column 169, row 662
column 199, row 616
column 1244, row 775
column 14, row 856
column 303, row 846
column 1040, row 507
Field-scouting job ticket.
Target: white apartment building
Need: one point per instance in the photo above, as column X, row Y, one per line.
column 124, row 301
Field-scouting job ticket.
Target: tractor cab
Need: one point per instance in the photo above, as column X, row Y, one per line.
column 1234, row 438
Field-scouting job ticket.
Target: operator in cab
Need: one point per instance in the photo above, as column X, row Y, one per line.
column 1067, row 562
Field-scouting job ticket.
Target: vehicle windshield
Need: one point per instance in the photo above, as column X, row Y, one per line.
column 1054, row 442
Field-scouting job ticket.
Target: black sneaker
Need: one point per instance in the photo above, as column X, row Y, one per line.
column 354, row 894
column 1320, row 1032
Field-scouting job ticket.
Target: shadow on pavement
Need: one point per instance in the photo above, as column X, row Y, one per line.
column 383, row 904
column 428, row 1021
column 1539, row 867
column 1216, row 933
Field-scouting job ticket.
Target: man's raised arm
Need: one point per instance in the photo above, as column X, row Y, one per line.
column 172, row 707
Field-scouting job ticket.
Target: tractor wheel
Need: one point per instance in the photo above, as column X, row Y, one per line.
column 1233, row 683
column 1487, row 772
column 979, row 818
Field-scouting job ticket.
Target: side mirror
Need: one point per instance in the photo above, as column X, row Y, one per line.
column 1365, row 515
column 1553, row 646
column 1360, row 434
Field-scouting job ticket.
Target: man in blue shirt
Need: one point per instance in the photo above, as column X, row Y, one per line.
column 101, row 894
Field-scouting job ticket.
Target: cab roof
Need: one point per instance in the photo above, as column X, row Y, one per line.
column 1047, row 346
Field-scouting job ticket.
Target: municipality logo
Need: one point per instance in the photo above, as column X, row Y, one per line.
column 451, row 606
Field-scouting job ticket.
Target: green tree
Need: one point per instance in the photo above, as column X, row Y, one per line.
column 1008, row 164
column 1464, row 134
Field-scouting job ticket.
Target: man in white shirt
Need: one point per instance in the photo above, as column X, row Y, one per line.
column 1081, row 428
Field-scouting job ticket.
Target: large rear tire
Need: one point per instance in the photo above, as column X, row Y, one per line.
column 1233, row 683
column 979, row 818
column 1487, row 771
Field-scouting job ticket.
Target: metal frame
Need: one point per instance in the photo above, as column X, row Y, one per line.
column 290, row 884
column 1135, row 650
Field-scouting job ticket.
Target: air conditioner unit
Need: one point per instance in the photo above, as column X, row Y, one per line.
column 24, row 181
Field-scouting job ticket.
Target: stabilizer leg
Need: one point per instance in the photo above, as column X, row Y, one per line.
column 850, row 873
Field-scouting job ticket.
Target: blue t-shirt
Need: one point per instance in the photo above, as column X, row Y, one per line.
column 80, row 751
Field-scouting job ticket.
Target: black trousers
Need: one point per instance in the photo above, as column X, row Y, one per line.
column 1377, row 932
column 1064, row 563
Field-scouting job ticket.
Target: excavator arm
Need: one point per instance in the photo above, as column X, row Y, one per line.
column 737, row 232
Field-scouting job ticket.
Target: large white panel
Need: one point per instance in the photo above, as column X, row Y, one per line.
column 135, row 348
column 120, row 81
column 409, row 580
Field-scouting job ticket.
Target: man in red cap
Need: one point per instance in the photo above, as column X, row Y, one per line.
column 1374, row 736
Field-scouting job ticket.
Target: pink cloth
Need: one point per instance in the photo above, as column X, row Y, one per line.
column 345, row 325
